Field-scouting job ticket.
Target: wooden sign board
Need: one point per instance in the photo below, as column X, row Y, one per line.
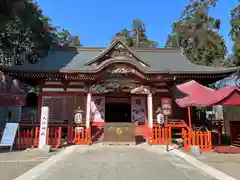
column 167, row 106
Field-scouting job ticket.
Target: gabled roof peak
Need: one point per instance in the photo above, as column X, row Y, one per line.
column 116, row 46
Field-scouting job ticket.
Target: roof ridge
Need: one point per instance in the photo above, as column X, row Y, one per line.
column 91, row 48
column 155, row 49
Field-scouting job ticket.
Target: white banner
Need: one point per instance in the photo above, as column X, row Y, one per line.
column 138, row 106
column 43, row 127
column 98, row 108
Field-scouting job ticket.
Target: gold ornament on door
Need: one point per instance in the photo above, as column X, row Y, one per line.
column 119, row 131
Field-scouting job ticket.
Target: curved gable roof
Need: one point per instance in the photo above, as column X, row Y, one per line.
column 110, row 48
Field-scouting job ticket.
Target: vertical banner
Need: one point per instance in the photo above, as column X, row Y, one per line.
column 138, row 109
column 98, row 108
column 43, row 127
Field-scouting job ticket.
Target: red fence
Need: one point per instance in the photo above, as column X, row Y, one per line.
column 158, row 134
column 79, row 135
column 203, row 139
column 28, row 136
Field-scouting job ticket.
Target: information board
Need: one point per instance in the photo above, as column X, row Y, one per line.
column 9, row 134
column 167, row 106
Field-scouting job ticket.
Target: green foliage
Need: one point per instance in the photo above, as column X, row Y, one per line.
column 197, row 34
column 136, row 36
column 26, row 34
column 235, row 34
column 65, row 38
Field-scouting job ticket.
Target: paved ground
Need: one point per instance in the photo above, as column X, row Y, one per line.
column 122, row 163
column 13, row 164
column 227, row 163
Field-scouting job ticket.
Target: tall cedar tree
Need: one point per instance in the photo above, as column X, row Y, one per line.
column 197, row 34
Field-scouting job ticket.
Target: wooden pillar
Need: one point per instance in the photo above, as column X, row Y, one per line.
column 150, row 110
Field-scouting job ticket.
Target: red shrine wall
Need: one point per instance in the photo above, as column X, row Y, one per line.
column 63, row 104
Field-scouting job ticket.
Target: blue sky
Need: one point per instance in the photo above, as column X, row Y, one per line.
column 97, row 21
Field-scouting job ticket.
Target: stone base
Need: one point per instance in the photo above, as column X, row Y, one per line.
column 45, row 149
column 195, row 150
column 118, row 143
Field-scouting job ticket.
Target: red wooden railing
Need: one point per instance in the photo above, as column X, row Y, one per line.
column 203, row 139
column 80, row 136
column 28, row 136
column 54, row 136
column 158, row 134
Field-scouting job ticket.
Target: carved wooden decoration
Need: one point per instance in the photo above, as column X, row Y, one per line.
column 120, row 71
column 141, row 90
column 123, row 70
column 119, row 50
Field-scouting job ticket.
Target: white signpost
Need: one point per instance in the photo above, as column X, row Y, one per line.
column 43, row 127
column 9, row 134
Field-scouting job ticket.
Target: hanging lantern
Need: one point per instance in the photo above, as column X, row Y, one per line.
column 78, row 115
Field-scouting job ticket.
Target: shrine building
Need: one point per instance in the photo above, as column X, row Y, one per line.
column 116, row 84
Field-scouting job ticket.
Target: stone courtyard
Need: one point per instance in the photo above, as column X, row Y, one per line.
column 101, row 162
column 13, row 164
column 227, row 163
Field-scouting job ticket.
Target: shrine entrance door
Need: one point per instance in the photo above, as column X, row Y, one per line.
column 118, row 128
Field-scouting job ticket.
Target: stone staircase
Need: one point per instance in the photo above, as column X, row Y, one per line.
column 236, row 142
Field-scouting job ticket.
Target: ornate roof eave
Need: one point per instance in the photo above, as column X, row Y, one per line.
column 143, row 72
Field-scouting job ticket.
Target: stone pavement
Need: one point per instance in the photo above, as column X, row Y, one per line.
column 13, row 164
column 140, row 162
column 227, row 163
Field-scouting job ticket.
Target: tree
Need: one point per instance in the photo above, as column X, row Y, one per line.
column 26, row 35
column 136, row 36
column 197, row 34
column 66, row 39
column 9, row 9
column 235, row 34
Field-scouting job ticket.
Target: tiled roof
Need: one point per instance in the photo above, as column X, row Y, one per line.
column 165, row 60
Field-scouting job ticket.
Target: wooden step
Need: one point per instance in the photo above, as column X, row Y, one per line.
column 236, row 144
column 177, row 134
